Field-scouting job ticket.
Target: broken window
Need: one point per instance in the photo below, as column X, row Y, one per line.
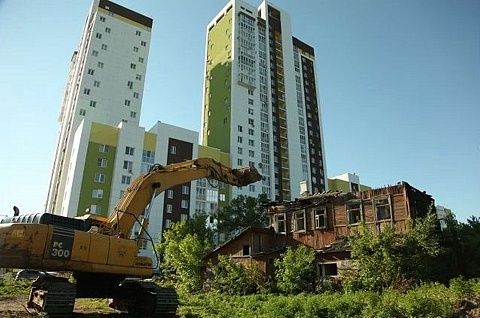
column 320, row 218
column 329, row 269
column 299, row 221
column 382, row 208
column 354, row 212
column 280, row 223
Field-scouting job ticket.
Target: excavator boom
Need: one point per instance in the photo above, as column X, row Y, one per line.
column 160, row 178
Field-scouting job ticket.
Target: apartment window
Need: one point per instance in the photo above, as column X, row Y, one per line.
column 135, row 49
column 82, row 112
column 97, row 193
column 100, row 64
column 250, row 92
column 354, row 212
column 129, row 150
column 95, row 209
column 173, row 150
column 96, row 83
column 90, row 71
column 135, row 95
column 239, row 128
column 169, row 208
column 86, row 91
column 170, row 194
column 108, row 30
column 251, row 142
column 127, row 102
column 299, row 223
column 382, row 208
column 250, row 111
column 185, row 189
column 239, row 150
column 138, row 77
column 98, row 35
column 130, row 84
column 140, row 60
column 133, row 114
column 222, row 197
column 124, row 121
column 94, row 53
column 138, row 33
column 102, row 19
column 183, row 217
column 250, row 131
column 240, row 162
column 128, row 165
column 250, row 101
column 104, row 47
column 103, row 148
column 250, row 121
column 320, row 218
column 251, row 153
column 239, row 139
column 99, row 177
column 143, row 43
column 280, row 223
column 168, row 223
column 102, row 162
column 126, row 179
column 251, row 188
column 184, row 204
column 133, row 66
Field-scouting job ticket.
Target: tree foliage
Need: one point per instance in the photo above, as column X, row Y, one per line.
column 235, row 279
column 242, row 212
column 183, row 248
column 296, row 270
column 393, row 259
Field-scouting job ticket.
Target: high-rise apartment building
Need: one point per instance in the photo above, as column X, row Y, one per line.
column 260, row 100
column 105, row 85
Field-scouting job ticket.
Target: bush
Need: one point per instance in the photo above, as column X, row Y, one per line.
column 296, row 271
column 12, row 287
column 232, row 278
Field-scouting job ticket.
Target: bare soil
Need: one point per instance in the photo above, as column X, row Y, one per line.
column 14, row 307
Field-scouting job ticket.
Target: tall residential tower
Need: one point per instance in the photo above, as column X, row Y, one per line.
column 260, row 100
column 105, row 85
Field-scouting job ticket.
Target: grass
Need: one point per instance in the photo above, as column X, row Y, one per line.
column 429, row 300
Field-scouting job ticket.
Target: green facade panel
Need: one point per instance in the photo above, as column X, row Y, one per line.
column 92, row 167
column 218, row 85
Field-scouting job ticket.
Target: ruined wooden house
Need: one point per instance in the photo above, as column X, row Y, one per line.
column 323, row 221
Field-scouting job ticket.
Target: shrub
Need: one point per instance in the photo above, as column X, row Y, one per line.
column 296, row 271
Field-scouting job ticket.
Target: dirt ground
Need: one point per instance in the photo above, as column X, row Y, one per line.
column 13, row 307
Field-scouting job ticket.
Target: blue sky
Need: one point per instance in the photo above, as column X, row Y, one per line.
column 399, row 87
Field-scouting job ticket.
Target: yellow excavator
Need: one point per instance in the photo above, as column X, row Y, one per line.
column 102, row 253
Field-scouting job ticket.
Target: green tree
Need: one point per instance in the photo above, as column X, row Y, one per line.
column 469, row 241
column 242, row 212
column 232, row 278
column 391, row 258
column 182, row 253
column 296, row 270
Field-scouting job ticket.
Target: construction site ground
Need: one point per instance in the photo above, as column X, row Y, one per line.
column 13, row 307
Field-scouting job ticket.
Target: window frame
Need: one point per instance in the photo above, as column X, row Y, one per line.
column 296, row 219
column 349, row 210
column 376, row 206
column 316, row 217
column 277, row 221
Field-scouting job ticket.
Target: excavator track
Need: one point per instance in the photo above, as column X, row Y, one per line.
column 52, row 295
column 147, row 299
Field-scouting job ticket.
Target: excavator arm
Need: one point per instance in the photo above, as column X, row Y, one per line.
column 160, row 178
